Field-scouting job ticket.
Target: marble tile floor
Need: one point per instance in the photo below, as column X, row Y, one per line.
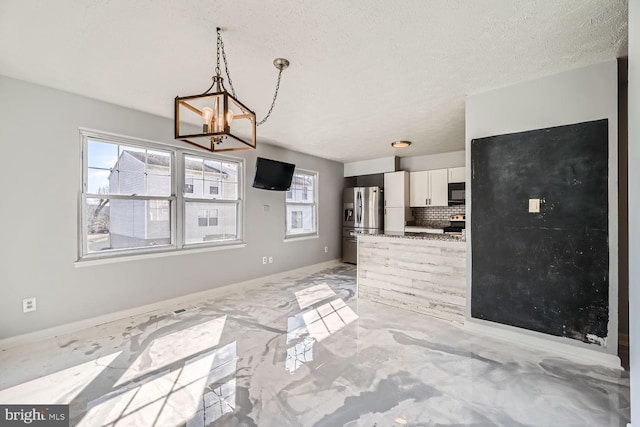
column 303, row 351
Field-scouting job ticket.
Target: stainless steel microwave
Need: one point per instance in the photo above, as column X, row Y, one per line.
column 456, row 193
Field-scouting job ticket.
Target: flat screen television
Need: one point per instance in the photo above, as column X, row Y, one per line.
column 273, row 175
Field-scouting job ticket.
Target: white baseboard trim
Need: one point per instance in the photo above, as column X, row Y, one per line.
column 568, row 351
column 161, row 306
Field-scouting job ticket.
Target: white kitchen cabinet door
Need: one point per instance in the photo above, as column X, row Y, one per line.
column 457, row 174
column 438, row 184
column 418, row 189
column 395, row 219
column 428, row 188
column 396, row 189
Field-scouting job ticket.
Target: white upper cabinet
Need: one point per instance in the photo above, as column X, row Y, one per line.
column 439, row 187
column 457, row 174
column 419, row 189
column 396, row 189
column 429, row 188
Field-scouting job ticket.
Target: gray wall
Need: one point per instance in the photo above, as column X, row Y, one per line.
column 575, row 96
column 41, row 173
column 634, row 206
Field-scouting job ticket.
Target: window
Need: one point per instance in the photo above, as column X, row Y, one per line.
column 188, row 185
column 130, row 202
column 207, row 218
column 213, row 217
column 214, row 204
column 203, row 218
column 301, row 205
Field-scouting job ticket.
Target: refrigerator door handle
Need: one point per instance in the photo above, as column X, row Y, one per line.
column 359, row 214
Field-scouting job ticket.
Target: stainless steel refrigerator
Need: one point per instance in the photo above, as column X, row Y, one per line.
column 362, row 213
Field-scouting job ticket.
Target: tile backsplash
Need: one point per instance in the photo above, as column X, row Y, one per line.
column 436, row 213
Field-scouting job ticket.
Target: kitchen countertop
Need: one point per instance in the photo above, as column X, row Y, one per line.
column 420, row 236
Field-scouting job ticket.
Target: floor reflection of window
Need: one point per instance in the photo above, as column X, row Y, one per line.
column 299, row 354
column 314, row 324
column 328, row 319
column 296, row 328
column 197, row 393
column 215, row 403
column 219, row 397
column 302, row 351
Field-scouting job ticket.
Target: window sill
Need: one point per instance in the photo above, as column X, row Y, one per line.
column 88, row 262
column 304, row 237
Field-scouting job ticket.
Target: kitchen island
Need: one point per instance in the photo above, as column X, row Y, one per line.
column 419, row 272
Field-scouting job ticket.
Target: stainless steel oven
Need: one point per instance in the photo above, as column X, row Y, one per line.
column 456, row 193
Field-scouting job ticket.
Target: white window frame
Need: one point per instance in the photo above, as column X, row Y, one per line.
column 238, row 202
column 314, row 205
column 177, row 200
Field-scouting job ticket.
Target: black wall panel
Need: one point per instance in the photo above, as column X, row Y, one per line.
column 547, row 271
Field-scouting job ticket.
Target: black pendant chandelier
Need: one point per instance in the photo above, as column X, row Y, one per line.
column 226, row 123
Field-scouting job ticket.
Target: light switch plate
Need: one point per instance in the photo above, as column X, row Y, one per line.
column 534, row 205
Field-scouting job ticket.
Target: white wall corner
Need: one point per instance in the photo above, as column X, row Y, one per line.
column 369, row 167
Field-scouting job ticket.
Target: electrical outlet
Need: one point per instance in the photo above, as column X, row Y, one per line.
column 29, row 304
column 264, row 259
column 270, row 260
column 534, row 205
column 326, row 249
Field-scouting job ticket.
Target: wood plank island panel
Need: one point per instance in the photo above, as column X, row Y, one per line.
column 422, row 275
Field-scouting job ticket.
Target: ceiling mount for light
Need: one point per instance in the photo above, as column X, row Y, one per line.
column 227, row 124
column 400, row 144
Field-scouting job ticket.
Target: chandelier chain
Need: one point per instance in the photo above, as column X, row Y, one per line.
column 273, row 103
column 226, row 69
column 219, row 44
column 280, row 63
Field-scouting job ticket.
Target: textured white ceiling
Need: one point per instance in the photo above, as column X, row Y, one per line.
column 363, row 73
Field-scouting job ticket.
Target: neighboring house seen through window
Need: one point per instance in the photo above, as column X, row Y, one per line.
column 296, row 220
column 301, row 205
column 188, row 185
column 130, row 201
column 208, row 218
column 214, row 205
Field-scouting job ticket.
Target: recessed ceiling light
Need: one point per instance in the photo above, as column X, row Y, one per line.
column 400, row 144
